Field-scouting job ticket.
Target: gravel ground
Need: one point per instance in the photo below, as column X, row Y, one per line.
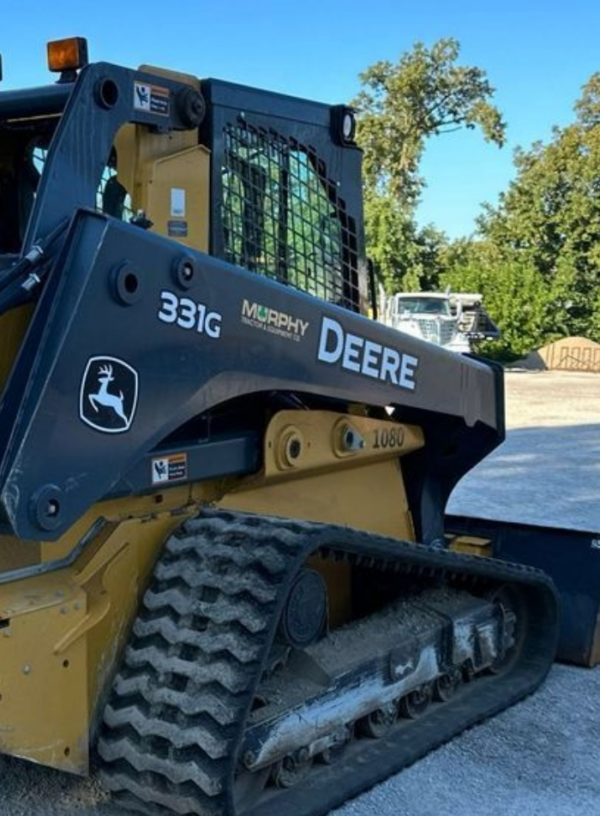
column 540, row 758
column 548, row 470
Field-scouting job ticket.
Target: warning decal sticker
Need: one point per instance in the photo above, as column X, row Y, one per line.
column 151, row 98
column 170, row 468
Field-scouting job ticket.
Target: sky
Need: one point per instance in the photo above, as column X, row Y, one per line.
column 537, row 55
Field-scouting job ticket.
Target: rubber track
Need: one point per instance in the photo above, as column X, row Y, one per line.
column 174, row 722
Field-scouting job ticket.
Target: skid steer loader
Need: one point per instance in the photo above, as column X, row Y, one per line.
column 224, row 568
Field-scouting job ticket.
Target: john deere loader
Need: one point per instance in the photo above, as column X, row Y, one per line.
column 224, row 571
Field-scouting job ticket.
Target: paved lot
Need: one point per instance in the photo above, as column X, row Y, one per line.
column 541, row 758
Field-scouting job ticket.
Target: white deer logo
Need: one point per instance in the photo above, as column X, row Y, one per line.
column 104, row 397
column 105, row 408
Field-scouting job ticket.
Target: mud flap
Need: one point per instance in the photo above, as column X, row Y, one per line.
column 570, row 557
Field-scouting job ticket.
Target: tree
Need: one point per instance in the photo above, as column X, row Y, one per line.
column 514, row 292
column 550, row 217
column 401, row 105
column 405, row 256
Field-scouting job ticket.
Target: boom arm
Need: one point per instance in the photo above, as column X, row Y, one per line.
column 132, row 338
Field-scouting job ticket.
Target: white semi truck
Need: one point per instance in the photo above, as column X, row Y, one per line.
column 455, row 321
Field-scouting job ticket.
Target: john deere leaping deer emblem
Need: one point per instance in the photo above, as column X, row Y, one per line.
column 108, row 394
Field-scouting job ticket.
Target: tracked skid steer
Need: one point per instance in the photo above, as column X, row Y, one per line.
column 224, row 562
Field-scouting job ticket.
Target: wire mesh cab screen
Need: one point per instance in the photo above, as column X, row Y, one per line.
column 277, row 208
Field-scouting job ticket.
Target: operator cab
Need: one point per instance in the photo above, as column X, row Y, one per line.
column 263, row 181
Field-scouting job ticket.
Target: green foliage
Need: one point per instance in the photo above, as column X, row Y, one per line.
column 405, row 256
column 537, row 263
column 514, row 293
column 549, row 218
column 400, row 106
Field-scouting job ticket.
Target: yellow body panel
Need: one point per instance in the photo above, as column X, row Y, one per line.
column 167, row 176
column 370, row 497
column 43, row 689
column 175, row 196
column 472, row 545
column 333, row 468
column 13, row 325
column 61, row 632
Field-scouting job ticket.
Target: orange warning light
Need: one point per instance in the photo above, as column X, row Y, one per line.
column 67, row 55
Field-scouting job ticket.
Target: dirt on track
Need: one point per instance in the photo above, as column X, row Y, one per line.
column 540, row 758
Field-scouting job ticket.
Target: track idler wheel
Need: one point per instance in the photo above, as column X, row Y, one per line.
column 416, row 702
column 338, row 748
column 379, row 722
column 510, row 607
column 446, row 686
column 292, row 769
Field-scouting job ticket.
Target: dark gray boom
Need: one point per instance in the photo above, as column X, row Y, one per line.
column 133, row 339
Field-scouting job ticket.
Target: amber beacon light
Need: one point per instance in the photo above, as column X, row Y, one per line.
column 67, row 55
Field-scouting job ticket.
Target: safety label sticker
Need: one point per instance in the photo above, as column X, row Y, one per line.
column 171, row 468
column 177, row 202
column 177, row 229
column 151, row 98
